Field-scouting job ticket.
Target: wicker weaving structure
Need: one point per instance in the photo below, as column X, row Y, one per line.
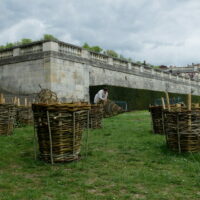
column 111, row 109
column 96, row 116
column 157, row 119
column 182, row 130
column 7, row 118
column 47, row 96
column 59, row 130
column 24, row 116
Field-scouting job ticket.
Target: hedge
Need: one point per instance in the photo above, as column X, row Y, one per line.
column 137, row 99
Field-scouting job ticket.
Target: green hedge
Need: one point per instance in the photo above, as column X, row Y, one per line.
column 137, row 99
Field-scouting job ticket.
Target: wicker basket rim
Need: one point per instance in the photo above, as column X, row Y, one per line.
column 63, row 106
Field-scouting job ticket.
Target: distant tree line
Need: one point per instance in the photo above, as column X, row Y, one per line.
column 26, row 41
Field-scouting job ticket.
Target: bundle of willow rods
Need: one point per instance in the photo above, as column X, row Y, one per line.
column 182, row 129
column 111, row 109
column 7, row 118
column 24, row 116
column 157, row 119
column 59, row 130
column 96, row 116
column 47, row 96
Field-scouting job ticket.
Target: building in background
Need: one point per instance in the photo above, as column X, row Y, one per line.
column 190, row 71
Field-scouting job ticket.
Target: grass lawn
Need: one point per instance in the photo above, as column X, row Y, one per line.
column 125, row 161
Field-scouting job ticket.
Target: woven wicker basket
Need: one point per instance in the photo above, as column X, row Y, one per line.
column 96, row 116
column 182, row 130
column 157, row 119
column 111, row 109
column 7, row 118
column 59, row 130
column 24, row 116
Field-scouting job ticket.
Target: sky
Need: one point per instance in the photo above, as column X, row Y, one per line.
column 161, row 32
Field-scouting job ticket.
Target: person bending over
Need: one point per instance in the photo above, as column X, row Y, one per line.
column 101, row 95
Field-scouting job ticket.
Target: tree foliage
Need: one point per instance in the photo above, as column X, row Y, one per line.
column 26, row 41
column 8, row 45
column 86, row 46
column 108, row 52
column 21, row 42
column 96, row 49
column 111, row 53
column 49, row 37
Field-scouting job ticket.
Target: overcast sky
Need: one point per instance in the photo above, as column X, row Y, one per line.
column 158, row 31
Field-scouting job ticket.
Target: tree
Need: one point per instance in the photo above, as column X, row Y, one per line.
column 49, row 37
column 9, row 45
column 108, row 52
column 111, row 53
column 139, row 62
column 122, row 57
column 25, row 41
column 96, row 49
column 129, row 59
column 92, row 48
column 86, row 46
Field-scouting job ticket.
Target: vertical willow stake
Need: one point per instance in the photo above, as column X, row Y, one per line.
column 152, row 125
column 189, row 101
column 35, row 140
column 87, row 133
column 179, row 137
column 163, row 103
column 74, row 124
column 8, row 122
column 168, row 102
column 25, row 102
column 1, row 101
column 189, row 109
column 163, row 124
column 50, row 137
column 163, row 108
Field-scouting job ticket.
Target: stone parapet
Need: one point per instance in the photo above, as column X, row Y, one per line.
column 56, row 62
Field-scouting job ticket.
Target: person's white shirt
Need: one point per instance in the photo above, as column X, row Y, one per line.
column 101, row 95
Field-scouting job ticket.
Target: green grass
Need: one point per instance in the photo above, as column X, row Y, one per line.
column 125, row 161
